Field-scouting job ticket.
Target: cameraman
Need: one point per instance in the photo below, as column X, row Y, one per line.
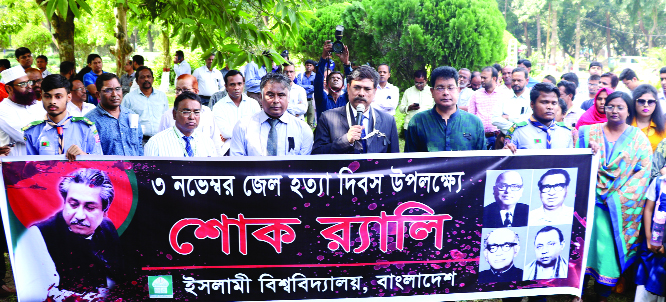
column 333, row 95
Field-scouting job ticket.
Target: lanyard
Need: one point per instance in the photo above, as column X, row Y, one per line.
column 182, row 144
column 374, row 122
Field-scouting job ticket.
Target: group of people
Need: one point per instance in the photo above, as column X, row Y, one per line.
column 262, row 112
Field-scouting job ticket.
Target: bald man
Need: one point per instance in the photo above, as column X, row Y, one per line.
column 506, row 211
column 500, row 247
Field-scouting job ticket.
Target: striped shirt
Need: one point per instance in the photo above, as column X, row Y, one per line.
column 170, row 143
column 481, row 104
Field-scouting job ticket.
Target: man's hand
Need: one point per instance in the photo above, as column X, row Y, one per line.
column 73, row 151
column 414, row 106
column 354, row 133
column 595, row 147
column 4, row 150
column 326, row 52
column 509, row 145
column 506, row 117
column 344, row 56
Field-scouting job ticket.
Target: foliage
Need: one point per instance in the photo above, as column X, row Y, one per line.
column 415, row 34
column 235, row 31
column 15, row 15
column 93, row 31
column 35, row 37
column 320, row 30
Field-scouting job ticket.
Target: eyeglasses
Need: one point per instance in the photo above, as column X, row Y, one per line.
column 187, row 113
column 179, row 91
column 512, row 188
column 548, row 245
column 112, row 89
column 649, row 102
column 555, row 188
column 23, row 84
column 442, row 88
column 612, row 108
column 505, row 247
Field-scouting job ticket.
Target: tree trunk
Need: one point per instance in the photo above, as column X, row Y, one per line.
column 655, row 18
column 63, row 32
column 641, row 25
column 538, row 22
column 554, row 40
column 577, row 55
column 608, row 53
column 166, row 47
column 548, row 29
column 527, row 40
column 135, row 34
column 123, row 48
column 149, row 37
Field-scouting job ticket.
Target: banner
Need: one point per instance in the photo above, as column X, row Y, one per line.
column 426, row 226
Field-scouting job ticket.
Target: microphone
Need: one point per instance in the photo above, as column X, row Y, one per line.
column 359, row 113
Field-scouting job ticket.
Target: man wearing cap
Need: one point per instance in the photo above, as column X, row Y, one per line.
column 18, row 109
column 306, row 80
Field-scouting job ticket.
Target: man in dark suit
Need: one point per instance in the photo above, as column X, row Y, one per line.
column 500, row 248
column 338, row 132
column 506, row 211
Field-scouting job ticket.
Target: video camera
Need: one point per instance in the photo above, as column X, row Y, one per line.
column 338, row 47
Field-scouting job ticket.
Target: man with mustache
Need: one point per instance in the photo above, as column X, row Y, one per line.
column 36, row 77
column 540, row 131
column 514, row 107
column 119, row 135
column 272, row 131
column 338, row 131
column 234, row 106
column 77, row 250
column 18, row 109
column 553, row 189
column 59, row 132
column 147, row 102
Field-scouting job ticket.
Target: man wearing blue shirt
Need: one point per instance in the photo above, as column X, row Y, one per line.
column 334, row 95
column 253, row 75
column 60, row 133
column 89, row 79
column 272, row 131
column 306, row 80
column 147, row 102
column 118, row 127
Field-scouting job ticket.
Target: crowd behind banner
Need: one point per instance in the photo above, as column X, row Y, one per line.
column 272, row 111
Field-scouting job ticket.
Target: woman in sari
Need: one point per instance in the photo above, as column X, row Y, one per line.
column 595, row 114
column 648, row 116
column 623, row 177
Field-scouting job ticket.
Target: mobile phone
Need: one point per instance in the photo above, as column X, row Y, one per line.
column 12, row 144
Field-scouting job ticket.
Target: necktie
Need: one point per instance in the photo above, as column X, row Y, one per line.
column 61, row 133
column 364, row 142
column 271, row 145
column 545, row 128
column 188, row 146
column 507, row 219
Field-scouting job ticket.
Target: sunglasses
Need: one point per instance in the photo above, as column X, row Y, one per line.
column 649, row 102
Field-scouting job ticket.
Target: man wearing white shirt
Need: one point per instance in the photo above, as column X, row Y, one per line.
column 387, row 96
column 210, row 80
column 553, row 186
column 182, row 140
column 417, row 98
column 273, row 131
column 148, row 102
column 466, row 92
column 207, row 128
column 234, row 107
column 180, row 66
column 42, row 62
column 506, row 77
column 17, row 110
column 77, row 106
column 298, row 98
column 514, row 107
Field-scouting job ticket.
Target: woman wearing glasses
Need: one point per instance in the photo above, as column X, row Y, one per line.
column 648, row 115
column 623, row 177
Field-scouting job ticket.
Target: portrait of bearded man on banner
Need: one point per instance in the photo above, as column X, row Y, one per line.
column 77, row 250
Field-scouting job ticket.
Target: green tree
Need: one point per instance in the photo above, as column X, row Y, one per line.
column 415, row 34
column 15, row 15
column 35, row 37
column 320, row 29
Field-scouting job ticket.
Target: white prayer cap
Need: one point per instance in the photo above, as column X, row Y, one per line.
column 13, row 73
